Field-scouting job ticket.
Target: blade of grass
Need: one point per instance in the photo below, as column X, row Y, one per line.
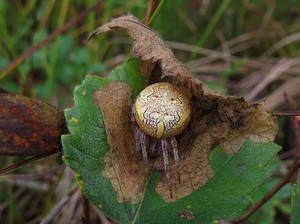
column 102, row 41
column 210, row 27
column 90, row 26
column 156, row 12
column 151, row 8
column 46, row 14
column 154, row 16
column 9, row 41
column 91, row 17
column 20, row 59
column 54, row 55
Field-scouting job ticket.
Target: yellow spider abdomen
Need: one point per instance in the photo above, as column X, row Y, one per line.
column 162, row 110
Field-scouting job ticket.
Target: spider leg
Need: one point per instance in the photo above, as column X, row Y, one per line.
column 176, row 156
column 141, row 138
column 138, row 132
column 143, row 144
column 137, row 140
column 164, row 145
column 153, row 145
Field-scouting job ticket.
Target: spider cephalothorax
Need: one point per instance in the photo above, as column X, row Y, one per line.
column 161, row 111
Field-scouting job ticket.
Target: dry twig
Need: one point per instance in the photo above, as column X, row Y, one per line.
column 21, row 58
column 57, row 209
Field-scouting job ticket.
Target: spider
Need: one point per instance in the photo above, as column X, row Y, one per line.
column 161, row 111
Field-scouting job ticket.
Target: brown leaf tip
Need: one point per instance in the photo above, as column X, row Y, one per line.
column 28, row 126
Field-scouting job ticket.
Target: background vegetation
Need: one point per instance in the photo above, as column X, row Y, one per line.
column 252, row 50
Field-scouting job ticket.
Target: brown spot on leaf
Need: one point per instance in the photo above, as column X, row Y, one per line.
column 34, row 136
column 19, row 141
column 28, row 111
column 216, row 119
column 29, row 127
column 186, row 213
column 31, row 104
column 15, row 110
column 126, row 172
column 3, row 111
column 55, row 132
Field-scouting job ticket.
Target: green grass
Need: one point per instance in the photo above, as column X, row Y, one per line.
column 52, row 68
column 237, row 30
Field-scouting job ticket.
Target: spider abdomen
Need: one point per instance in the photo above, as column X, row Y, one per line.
column 162, row 110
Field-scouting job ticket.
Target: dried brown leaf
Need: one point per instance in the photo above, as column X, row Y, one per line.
column 147, row 44
column 29, row 127
column 127, row 173
column 216, row 119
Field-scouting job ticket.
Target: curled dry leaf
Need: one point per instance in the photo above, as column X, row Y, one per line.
column 216, row 119
column 29, row 127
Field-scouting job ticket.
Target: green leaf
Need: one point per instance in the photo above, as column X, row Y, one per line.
column 236, row 176
column 97, row 68
column 224, row 196
column 128, row 73
column 266, row 214
column 296, row 202
column 87, row 144
column 82, row 56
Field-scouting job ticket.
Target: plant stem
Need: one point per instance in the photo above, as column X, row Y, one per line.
column 58, row 207
column 27, row 161
column 151, row 9
column 48, row 39
column 85, row 209
column 275, row 189
column 285, row 113
column 295, row 123
column 157, row 11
